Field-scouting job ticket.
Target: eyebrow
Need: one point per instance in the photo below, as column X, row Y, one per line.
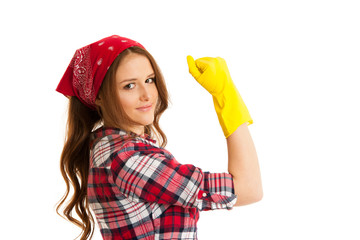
column 134, row 79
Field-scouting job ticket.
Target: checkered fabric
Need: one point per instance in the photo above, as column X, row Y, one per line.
column 138, row 190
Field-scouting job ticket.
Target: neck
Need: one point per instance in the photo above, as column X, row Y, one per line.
column 137, row 129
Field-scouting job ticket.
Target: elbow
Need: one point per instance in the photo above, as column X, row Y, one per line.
column 248, row 194
column 249, row 199
column 258, row 197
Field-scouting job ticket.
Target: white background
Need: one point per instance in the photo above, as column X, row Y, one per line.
column 295, row 63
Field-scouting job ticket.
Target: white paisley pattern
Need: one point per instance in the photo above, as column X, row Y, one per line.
column 82, row 73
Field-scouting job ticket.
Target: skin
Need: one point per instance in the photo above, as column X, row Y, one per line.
column 135, row 80
column 243, row 165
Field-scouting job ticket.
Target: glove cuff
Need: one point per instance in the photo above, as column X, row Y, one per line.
column 231, row 111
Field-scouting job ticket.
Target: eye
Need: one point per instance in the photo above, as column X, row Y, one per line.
column 129, row 86
column 150, row 80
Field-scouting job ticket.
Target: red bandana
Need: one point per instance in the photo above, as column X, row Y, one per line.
column 88, row 67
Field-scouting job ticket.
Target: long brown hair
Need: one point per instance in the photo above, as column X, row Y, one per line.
column 74, row 160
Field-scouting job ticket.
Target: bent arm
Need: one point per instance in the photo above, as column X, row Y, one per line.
column 144, row 172
column 243, row 165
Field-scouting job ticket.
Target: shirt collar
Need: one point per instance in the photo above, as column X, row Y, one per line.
column 105, row 131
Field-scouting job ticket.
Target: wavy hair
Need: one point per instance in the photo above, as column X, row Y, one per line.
column 74, row 160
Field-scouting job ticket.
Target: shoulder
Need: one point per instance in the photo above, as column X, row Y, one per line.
column 118, row 139
column 116, row 144
column 141, row 146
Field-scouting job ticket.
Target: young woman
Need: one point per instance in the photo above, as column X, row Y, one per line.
column 114, row 155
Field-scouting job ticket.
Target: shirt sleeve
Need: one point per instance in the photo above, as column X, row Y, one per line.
column 146, row 173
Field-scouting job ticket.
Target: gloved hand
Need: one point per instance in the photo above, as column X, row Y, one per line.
column 214, row 76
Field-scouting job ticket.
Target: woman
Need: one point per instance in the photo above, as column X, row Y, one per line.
column 135, row 187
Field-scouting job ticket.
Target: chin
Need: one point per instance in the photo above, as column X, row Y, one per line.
column 145, row 122
column 143, row 119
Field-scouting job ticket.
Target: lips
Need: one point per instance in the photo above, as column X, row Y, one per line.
column 145, row 108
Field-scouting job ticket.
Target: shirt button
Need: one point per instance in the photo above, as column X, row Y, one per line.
column 204, row 194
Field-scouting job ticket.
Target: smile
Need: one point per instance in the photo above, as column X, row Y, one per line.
column 145, row 108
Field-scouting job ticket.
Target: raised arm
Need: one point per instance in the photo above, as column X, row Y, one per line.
column 234, row 118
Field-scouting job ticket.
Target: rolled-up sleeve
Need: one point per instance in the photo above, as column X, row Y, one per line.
column 149, row 174
column 216, row 191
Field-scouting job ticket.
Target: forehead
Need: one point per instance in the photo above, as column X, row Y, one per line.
column 134, row 66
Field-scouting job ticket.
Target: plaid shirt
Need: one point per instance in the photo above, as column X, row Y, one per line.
column 138, row 190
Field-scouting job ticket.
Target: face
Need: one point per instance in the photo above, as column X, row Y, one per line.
column 138, row 95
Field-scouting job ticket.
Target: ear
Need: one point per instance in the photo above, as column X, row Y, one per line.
column 98, row 101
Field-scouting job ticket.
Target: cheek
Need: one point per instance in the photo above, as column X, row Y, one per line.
column 126, row 102
column 155, row 92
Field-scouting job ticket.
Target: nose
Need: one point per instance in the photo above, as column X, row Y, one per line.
column 144, row 94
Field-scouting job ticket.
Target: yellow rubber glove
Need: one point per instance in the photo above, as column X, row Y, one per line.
column 214, row 76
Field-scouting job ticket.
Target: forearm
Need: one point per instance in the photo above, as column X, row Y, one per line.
column 243, row 165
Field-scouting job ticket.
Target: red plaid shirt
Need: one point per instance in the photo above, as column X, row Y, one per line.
column 138, row 190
